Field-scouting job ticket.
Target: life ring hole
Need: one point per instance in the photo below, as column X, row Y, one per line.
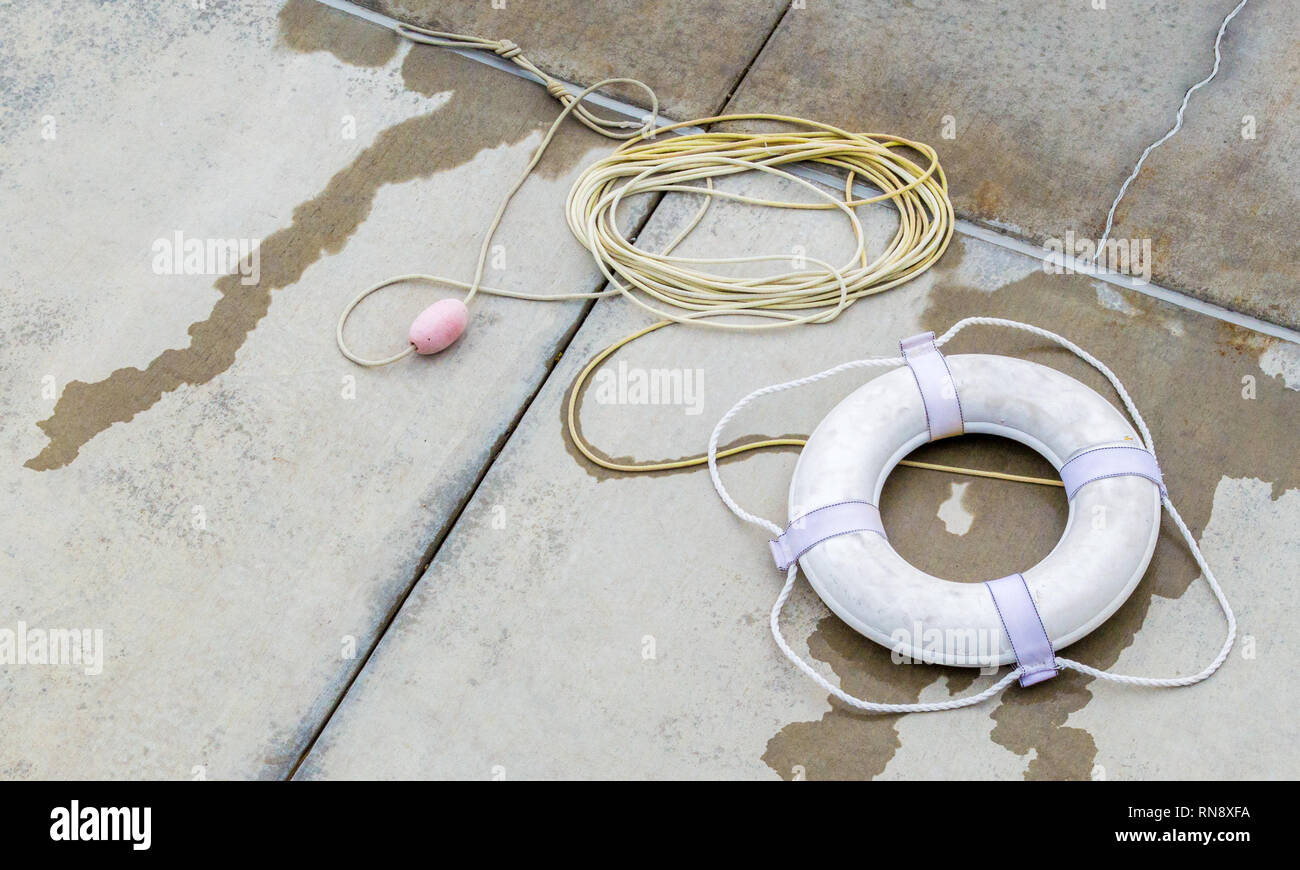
column 971, row 529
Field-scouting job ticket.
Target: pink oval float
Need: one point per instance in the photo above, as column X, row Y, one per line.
column 438, row 326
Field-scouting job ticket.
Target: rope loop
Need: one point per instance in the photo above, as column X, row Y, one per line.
column 687, row 289
column 793, row 571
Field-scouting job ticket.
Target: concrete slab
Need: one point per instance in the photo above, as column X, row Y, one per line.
column 583, row 624
column 692, row 53
column 1219, row 197
column 194, row 471
column 1039, row 111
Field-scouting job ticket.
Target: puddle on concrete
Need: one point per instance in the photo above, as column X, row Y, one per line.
column 1019, row 523
column 481, row 115
column 1189, row 385
column 307, row 26
column 845, row 744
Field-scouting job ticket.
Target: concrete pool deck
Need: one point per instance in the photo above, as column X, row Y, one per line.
column 303, row 568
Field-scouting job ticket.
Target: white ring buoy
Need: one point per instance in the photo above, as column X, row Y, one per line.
column 1109, row 536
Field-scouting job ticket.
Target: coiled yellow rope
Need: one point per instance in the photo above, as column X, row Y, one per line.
column 653, row 162
column 678, row 289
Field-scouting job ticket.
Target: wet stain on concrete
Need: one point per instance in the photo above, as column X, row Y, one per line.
column 1189, row 387
column 1190, row 390
column 493, row 109
column 910, row 501
column 485, row 117
column 690, row 52
column 846, row 744
column 307, row 26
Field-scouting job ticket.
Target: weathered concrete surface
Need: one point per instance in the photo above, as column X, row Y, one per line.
column 1221, row 200
column 692, row 52
column 583, row 624
column 191, row 467
column 1039, row 111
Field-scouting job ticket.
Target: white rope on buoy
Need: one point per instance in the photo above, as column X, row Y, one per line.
column 793, row 572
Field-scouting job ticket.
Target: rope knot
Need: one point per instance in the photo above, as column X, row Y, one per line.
column 557, row 89
column 506, row 49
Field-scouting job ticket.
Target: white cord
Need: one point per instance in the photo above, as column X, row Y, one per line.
column 572, row 105
column 793, row 572
column 1178, row 125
